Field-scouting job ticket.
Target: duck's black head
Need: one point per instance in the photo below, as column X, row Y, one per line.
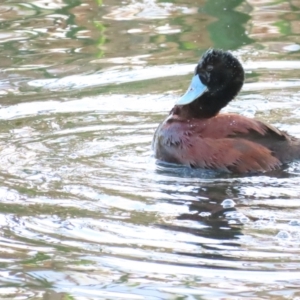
column 218, row 78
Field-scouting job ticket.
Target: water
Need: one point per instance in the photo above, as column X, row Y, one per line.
column 86, row 213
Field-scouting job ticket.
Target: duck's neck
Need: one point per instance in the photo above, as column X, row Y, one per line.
column 208, row 105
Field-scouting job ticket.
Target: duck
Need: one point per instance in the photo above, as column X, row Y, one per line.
column 197, row 135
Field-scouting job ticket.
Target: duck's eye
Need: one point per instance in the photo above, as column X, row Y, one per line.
column 209, row 68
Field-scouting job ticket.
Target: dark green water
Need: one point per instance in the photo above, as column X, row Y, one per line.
column 85, row 212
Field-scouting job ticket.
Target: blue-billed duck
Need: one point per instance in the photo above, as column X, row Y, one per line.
column 196, row 135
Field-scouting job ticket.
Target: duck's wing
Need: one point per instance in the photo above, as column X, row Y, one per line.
column 284, row 146
column 232, row 125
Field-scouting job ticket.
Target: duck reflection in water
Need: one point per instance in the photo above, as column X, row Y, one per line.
column 221, row 217
column 196, row 135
